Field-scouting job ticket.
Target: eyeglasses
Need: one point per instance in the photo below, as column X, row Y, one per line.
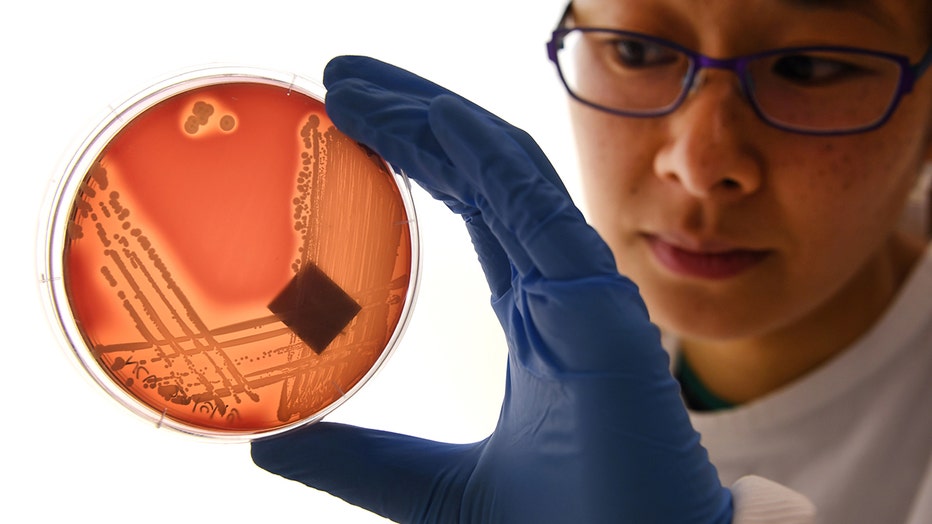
column 823, row 90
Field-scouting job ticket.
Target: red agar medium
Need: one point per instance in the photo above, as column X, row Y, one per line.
column 232, row 263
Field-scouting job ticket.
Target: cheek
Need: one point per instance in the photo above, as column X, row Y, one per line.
column 838, row 207
column 615, row 164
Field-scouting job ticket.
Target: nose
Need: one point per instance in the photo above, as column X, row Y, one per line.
column 708, row 151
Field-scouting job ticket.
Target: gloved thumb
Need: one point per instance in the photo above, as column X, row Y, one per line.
column 403, row 478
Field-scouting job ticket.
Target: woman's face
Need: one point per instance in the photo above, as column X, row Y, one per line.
column 734, row 229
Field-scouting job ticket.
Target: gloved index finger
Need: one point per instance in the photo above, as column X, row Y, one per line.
column 396, row 126
column 407, row 84
column 384, row 75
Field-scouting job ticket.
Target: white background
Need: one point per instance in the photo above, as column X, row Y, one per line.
column 69, row 451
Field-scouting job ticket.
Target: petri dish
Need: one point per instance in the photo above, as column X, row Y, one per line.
column 223, row 261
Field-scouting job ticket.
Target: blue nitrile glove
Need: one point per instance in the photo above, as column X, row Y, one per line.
column 592, row 428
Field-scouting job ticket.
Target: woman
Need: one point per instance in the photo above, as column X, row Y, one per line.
column 746, row 165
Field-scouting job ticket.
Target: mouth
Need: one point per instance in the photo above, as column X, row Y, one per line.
column 704, row 260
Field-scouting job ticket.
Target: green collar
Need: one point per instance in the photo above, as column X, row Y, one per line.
column 695, row 394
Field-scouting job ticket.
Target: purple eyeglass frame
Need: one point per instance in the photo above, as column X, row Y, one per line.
column 909, row 74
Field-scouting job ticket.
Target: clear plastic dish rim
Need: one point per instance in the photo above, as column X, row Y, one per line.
column 59, row 206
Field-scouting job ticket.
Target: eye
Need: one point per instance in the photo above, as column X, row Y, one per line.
column 635, row 53
column 814, row 70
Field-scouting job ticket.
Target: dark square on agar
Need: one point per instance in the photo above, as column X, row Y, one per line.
column 314, row 307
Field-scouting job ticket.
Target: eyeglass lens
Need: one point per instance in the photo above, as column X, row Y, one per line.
column 804, row 89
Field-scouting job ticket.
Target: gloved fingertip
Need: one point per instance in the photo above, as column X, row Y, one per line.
column 342, row 67
column 272, row 453
column 343, row 101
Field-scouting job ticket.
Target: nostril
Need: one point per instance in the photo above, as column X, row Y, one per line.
column 730, row 183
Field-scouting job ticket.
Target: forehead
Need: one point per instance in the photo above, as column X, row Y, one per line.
column 883, row 8
column 879, row 23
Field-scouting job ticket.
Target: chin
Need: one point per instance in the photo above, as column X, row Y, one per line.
column 707, row 309
column 703, row 314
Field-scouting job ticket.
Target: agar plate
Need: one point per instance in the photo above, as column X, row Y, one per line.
column 223, row 261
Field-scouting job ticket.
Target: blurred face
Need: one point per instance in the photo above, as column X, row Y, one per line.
column 734, row 229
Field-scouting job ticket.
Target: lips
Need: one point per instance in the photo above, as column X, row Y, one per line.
column 705, row 260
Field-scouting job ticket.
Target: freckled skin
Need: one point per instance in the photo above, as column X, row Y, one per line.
column 825, row 208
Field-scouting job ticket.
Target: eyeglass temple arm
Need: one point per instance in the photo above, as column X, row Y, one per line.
column 920, row 67
column 565, row 17
column 556, row 43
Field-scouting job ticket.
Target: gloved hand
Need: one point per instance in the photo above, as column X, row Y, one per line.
column 592, row 428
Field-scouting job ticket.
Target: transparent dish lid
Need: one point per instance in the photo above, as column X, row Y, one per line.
column 224, row 262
